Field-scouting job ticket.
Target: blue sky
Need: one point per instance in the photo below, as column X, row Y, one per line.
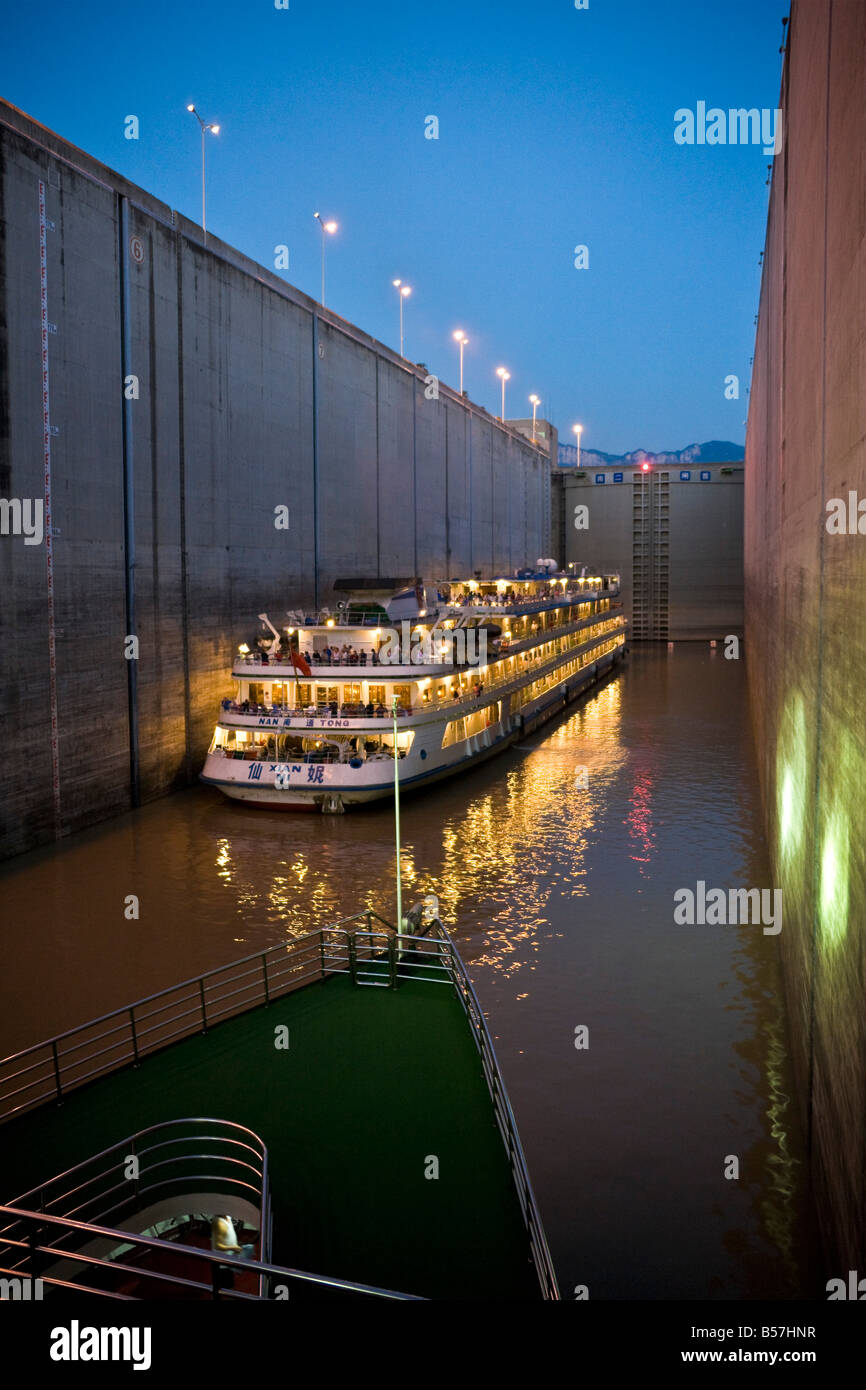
column 555, row 129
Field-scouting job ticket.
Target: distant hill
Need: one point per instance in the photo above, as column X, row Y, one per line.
column 713, row 451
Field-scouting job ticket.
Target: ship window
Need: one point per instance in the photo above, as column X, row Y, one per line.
column 377, row 694
column 303, row 694
column 352, row 693
column 454, row 732
column 403, row 693
column 256, row 693
column 290, row 748
column 326, row 694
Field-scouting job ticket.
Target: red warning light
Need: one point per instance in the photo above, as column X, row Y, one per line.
column 644, row 468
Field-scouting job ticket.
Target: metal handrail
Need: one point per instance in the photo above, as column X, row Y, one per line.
column 212, row 1263
column 89, row 1190
column 529, row 648
column 52, row 1055
column 505, row 1120
column 333, row 949
column 98, row 1191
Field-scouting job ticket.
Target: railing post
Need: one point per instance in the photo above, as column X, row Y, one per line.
column 353, row 958
column 134, row 1037
column 57, row 1084
column 31, row 1242
column 392, row 962
column 322, row 950
column 203, row 1006
column 265, row 974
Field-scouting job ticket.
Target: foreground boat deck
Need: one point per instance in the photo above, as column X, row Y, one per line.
column 373, row 1082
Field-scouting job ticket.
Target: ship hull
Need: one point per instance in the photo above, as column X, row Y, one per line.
column 334, row 790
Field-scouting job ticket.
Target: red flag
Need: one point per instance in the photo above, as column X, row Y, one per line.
column 299, row 663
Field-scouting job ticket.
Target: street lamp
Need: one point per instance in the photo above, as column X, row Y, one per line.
column 504, row 376
column 326, row 227
column 462, row 339
column 535, row 401
column 214, row 130
column 403, row 291
column 578, row 430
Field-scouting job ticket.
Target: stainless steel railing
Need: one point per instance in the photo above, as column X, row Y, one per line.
column 153, row 1166
column 51, row 1069
column 47, row 1239
column 507, row 1126
column 364, row 946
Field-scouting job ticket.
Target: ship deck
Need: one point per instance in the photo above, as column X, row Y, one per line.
column 374, row 1081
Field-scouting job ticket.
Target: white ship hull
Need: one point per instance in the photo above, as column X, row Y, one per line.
column 338, row 785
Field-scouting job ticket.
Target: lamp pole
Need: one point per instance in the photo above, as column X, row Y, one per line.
column 330, row 227
column 397, row 820
column 578, row 430
column 462, row 340
column 403, row 291
column 504, row 376
column 214, row 130
column 535, row 401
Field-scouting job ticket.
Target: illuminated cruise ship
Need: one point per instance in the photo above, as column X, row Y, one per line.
column 327, row 712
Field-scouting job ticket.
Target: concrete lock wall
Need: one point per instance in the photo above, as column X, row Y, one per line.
column 806, row 591
column 675, row 535
column 249, row 397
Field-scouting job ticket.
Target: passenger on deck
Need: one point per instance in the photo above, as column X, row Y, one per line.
column 223, row 1239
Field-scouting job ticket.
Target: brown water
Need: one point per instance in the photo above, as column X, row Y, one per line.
column 561, row 901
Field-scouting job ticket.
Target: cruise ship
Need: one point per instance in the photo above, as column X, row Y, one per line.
column 329, row 711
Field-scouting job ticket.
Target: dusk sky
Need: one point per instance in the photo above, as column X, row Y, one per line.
column 555, row 129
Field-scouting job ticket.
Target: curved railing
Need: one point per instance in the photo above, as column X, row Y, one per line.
column 164, row 1160
column 147, row 1177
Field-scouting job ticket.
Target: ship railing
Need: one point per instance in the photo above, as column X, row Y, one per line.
column 46, row 1240
column 363, row 945
column 531, row 656
column 50, row 1070
column 148, row 1176
column 504, row 1117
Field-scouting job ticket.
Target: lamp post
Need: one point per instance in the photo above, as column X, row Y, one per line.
column 578, row 430
column 403, row 291
column 214, row 130
column 330, row 227
column 394, row 708
column 535, row 401
column 504, row 376
column 462, row 339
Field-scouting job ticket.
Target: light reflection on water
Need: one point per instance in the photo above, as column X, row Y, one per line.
column 561, row 899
